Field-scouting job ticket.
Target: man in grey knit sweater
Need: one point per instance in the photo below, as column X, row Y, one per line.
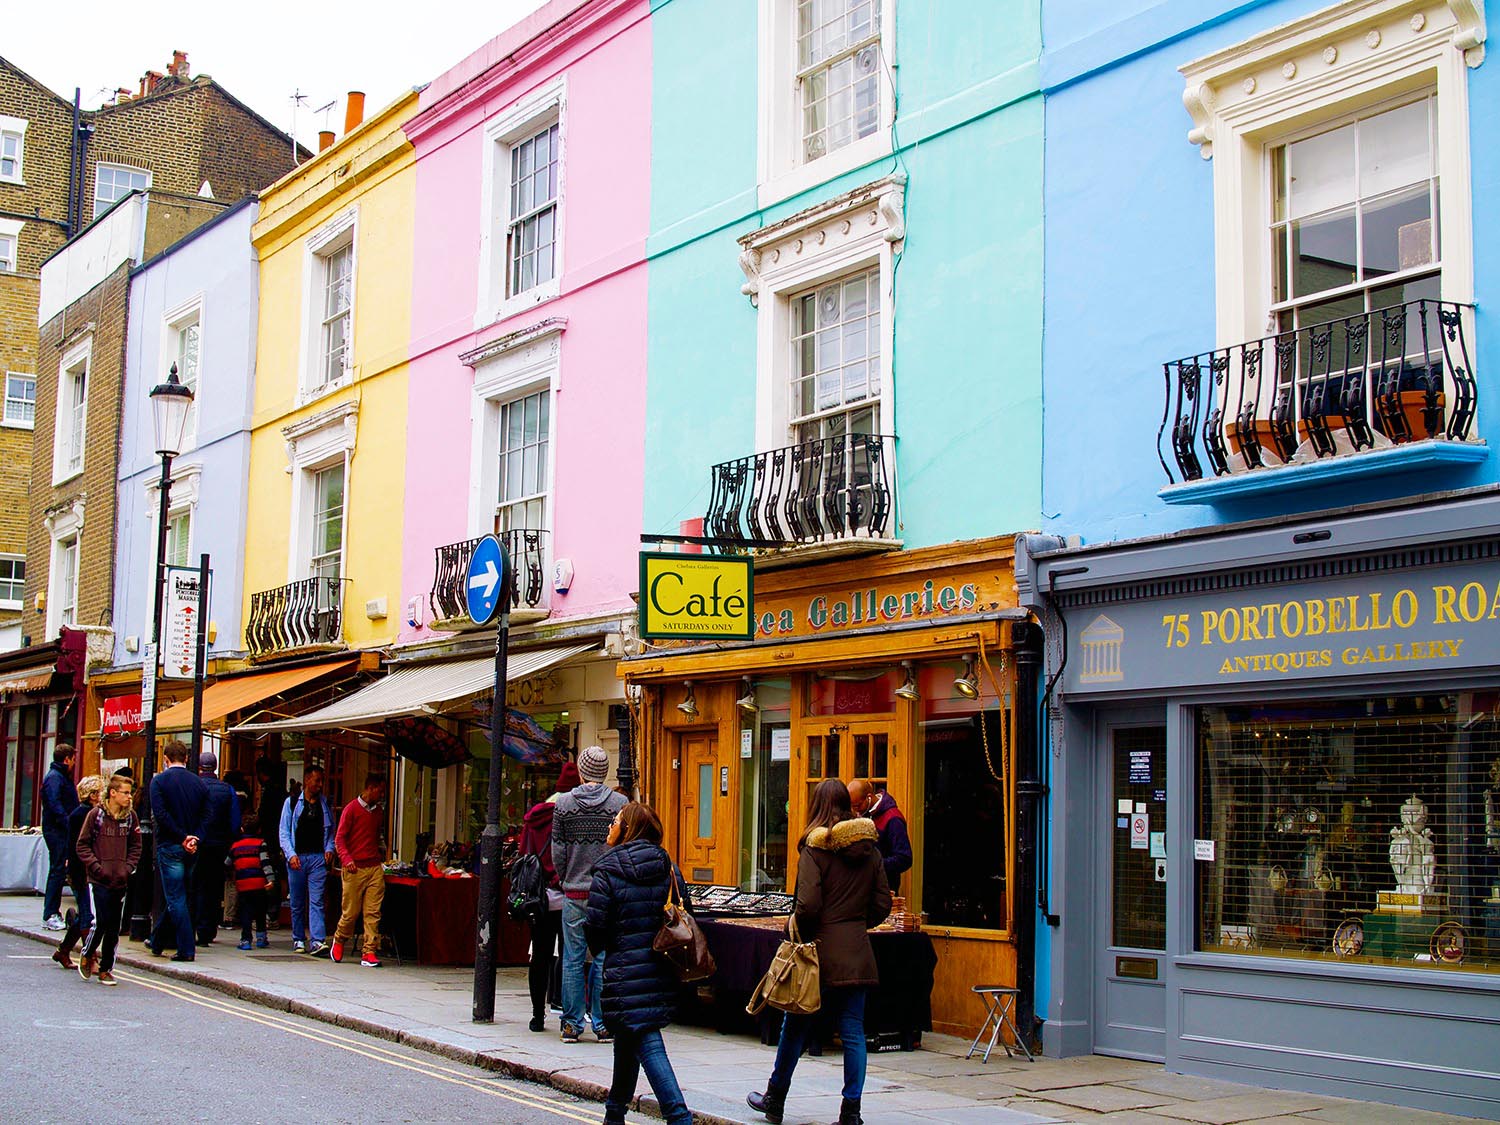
column 580, row 833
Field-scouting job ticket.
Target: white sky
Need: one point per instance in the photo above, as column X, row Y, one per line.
column 259, row 51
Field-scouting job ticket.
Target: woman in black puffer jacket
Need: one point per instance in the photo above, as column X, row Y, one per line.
column 626, row 901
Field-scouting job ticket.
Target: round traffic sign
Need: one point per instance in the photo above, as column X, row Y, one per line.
column 487, row 580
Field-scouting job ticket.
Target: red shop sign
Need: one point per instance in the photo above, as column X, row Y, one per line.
column 122, row 715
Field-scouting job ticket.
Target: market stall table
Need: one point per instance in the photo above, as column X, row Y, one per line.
column 23, row 862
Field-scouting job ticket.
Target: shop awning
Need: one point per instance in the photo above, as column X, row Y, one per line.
column 238, row 692
column 27, row 679
column 419, row 691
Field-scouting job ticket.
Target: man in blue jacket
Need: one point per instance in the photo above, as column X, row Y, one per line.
column 59, row 798
column 221, row 828
column 307, row 828
column 179, row 804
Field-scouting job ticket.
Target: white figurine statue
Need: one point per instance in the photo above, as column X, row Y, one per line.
column 1413, row 857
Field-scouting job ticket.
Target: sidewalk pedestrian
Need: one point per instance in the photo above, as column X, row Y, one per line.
column 891, row 837
column 253, row 875
column 546, row 931
column 841, row 892
column 627, row 897
column 179, row 803
column 109, row 845
column 362, row 856
column 221, row 827
column 306, row 836
column 80, row 919
column 580, row 834
column 59, row 798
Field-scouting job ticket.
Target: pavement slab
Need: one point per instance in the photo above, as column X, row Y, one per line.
column 1371, row 1113
column 1107, row 1099
column 1245, row 1107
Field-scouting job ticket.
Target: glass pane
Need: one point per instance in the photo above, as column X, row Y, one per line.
column 833, row 755
column 861, row 755
column 705, row 801
column 1395, row 150
column 880, row 754
column 1323, row 253
column 1320, row 172
column 1398, row 232
column 815, row 755
column 1139, row 898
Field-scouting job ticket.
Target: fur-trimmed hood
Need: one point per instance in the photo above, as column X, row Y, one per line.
column 843, row 835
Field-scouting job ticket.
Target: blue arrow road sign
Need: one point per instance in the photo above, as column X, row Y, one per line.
column 484, row 585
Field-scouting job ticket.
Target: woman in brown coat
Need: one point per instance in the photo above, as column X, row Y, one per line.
column 841, row 892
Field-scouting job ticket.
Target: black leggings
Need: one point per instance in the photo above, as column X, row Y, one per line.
column 544, row 938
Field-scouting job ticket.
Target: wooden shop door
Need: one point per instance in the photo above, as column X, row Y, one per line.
column 705, row 826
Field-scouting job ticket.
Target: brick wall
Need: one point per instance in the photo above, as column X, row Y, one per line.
column 44, row 167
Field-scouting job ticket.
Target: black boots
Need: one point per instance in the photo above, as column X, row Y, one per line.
column 769, row 1105
column 849, row 1113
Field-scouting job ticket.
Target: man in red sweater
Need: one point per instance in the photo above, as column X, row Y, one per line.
column 362, row 856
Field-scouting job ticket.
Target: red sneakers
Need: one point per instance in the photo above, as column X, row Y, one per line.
column 337, row 952
column 369, row 961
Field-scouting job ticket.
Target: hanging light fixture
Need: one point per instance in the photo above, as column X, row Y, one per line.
column 908, row 690
column 689, row 705
column 746, row 702
column 967, row 685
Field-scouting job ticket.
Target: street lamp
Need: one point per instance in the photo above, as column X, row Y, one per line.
column 170, row 403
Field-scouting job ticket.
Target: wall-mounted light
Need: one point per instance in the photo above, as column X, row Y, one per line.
column 967, row 685
column 746, row 702
column 689, row 705
column 908, row 690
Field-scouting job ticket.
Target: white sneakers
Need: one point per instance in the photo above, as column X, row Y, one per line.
column 55, row 923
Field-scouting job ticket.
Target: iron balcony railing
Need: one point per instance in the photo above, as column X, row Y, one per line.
column 525, row 547
column 307, row 612
column 833, row 488
column 1373, row 380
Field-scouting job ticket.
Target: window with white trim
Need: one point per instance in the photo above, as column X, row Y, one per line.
column 328, row 314
column 12, row 581
column 9, row 252
column 524, row 438
column 836, row 370
column 531, row 233
column 838, row 72
column 179, row 537
column 114, row 182
column 65, row 564
column 72, row 416
column 20, row 400
column 184, row 334
column 336, row 310
column 12, row 149
column 326, row 544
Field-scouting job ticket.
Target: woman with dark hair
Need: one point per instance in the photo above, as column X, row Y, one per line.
column 841, row 892
column 629, row 893
column 546, row 931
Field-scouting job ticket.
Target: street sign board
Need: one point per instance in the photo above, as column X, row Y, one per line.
column 148, row 678
column 697, row 596
column 484, row 583
column 180, row 623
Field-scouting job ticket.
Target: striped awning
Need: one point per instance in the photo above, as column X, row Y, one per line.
column 27, row 679
column 423, row 690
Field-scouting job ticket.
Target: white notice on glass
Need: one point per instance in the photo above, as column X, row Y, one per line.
column 1124, row 806
column 781, row 745
column 1140, row 830
column 1203, row 850
column 747, row 742
column 1158, row 845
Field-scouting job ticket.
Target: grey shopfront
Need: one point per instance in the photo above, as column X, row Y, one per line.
column 1274, row 771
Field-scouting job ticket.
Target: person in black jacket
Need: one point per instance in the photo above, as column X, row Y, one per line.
column 625, row 904
column 221, row 828
column 59, row 799
column 179, row 803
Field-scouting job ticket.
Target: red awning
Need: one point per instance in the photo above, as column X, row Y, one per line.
column 27, row 679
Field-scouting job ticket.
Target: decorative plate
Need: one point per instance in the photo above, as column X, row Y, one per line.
column 1449, row 941
column 1349, row 938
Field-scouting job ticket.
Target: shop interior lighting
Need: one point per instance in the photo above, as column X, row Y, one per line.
column 689, row 705
column 967, row 685
column 908, row 690
column 746, row 701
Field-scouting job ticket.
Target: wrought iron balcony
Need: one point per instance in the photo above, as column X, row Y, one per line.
column 299, row 615
column 527, row 556
column 831, row 489
column 1371, row 381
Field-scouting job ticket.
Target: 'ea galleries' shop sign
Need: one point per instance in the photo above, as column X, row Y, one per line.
column 696, row 596
column 1366, row 624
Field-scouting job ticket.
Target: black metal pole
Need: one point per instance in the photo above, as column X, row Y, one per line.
column 143, row 882
column 200, row 653
column 1026, row 641
column 488, row 937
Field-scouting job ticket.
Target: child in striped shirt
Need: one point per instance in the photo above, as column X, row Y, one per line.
column 253, row 875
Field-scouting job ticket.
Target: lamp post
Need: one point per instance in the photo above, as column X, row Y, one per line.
column 170, row 402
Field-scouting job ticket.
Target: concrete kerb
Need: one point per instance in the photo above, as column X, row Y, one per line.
column 561, row 1079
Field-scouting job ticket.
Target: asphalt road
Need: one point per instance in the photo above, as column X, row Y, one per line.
column 153, row 1049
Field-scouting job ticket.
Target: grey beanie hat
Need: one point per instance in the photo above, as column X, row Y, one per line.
column 593, row 764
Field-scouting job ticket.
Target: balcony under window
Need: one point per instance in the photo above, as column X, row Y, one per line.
column 302, row 616
column 527, row 550
column 1388, row 391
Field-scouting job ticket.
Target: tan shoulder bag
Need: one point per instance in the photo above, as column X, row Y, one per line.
column 792, row 983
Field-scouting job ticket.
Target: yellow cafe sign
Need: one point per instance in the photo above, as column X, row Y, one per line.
column 702, row 597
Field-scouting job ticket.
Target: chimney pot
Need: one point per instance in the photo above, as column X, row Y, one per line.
column 180, row 66
column 325, row 139
column 354, row 111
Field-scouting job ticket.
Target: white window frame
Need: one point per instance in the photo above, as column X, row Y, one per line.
column 5, row 400
column 64, row 527
column 1250, row 97
column 16, row 127
column 781, row 170
column 315, row 443
column 113, row 167
column 16, row 603
column 518, row 122
column 854, row 231
column 186, row 487
column 10, row 244
column 174, row 323
column 338, row 233
column 66, row 429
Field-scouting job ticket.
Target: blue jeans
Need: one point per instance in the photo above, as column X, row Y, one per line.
column 579, row 971
column 175, row 869
column 57, row 872
column 634, row 1052
column 307, row 897
column 847, row 1006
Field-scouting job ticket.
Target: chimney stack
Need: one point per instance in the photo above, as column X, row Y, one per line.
column 325, row 139
column 354, row 111
column 122, row 95
column 149, row 83
column 179, row 68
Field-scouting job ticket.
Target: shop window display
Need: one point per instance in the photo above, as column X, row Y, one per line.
column 766, row 773
column 1362, row 831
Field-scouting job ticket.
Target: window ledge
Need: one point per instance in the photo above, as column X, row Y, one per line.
column 1418, row 456
column 805, row 176
column 1355, row 972
column 12, row 606
column 66, row 477
column 18, row 425
column 323, row 390
column 534, row 297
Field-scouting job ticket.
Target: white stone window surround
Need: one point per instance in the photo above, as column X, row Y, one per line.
column 781, row 171
column 78, row 358
column 327, row 438
column 187, row 482
column 16, row 128
column 511, row 367
column 10, row 235
column 1248, row 98
column 16, row 423
column 14, row 603
column 518, row 122
column 128, row 172
column 173, row 321
column 859, row 229
column 64, row 526
column 340, row 231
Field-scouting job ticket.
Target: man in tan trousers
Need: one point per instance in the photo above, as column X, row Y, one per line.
column 358, row 843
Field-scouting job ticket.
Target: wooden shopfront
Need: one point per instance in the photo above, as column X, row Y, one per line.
column 853, row 673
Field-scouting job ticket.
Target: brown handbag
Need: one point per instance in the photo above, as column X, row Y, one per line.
column 793, row 982
column 681, row 942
